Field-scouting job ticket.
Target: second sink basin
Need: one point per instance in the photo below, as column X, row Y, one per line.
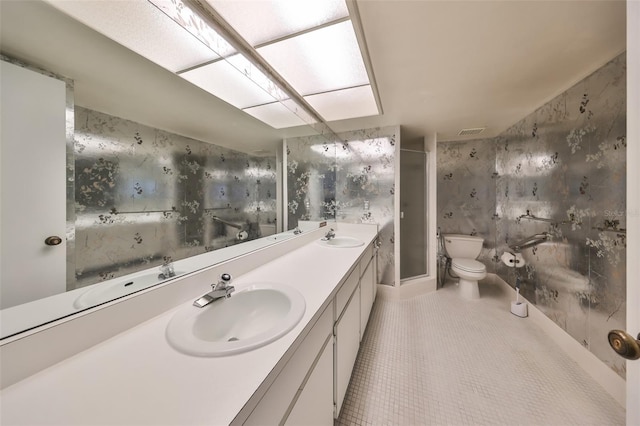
column 252, row 317
column 342, row 242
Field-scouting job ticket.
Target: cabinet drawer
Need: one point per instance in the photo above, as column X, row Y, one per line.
column 366, row 257
column 346, row 291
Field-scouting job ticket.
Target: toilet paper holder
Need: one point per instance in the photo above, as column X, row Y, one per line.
column 514, row 260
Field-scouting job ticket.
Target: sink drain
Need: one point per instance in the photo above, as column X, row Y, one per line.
column 233, row 339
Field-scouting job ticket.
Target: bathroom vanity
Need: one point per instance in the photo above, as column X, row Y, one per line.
column 137, row 377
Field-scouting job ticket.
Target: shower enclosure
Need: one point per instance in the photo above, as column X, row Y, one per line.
column 413, row 214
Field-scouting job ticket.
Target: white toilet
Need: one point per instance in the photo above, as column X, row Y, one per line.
column 463, row 251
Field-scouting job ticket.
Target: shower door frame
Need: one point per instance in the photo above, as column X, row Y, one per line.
column 426, row 237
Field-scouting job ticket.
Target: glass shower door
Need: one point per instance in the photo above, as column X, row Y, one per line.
column 413, row 214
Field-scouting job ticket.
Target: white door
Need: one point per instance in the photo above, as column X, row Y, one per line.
column 32, row 180
column 633, row 204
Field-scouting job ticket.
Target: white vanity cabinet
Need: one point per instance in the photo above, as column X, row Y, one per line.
column 347, row 343
column 302, row 393
column 315, row 403
column 367, row 287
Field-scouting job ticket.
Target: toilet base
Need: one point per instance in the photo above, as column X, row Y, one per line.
column 469, row 289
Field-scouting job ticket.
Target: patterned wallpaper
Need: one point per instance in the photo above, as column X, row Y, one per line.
column 144, row 195
column 466, row 201
column 351, row 180
column 565, row 162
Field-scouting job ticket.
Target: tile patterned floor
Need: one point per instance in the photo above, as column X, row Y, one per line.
column 437, row 359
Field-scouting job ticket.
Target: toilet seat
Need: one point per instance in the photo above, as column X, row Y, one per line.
column 468, row 265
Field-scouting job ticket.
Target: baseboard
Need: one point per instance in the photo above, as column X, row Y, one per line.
column 592, row 365
column 408, row 288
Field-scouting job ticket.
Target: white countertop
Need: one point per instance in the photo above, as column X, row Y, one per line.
column 136, row 378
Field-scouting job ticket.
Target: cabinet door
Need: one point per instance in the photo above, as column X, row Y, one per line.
column 315, row 402
column 367, row 287
column 347, row 343
column 273, row 407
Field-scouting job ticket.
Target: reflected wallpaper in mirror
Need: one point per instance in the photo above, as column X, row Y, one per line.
column 352, row 180
column 144, row 196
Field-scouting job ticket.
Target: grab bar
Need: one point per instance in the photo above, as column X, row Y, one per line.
column 529, row 216
column 233, row 225
column 531, row 241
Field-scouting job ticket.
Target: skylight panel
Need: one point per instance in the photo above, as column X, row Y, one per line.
column 319, row 61
column 142, row 28
column 260, row 21
column 343, row 104
column 223, row 80
column 275, row 115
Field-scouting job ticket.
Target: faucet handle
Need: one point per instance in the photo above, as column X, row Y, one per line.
column 222, row 283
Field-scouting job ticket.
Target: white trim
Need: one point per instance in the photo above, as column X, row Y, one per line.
column 432, row 201
column 592, row 365
column 282, row 207
column 396, row 210
column 633, row 203
column 408, row 288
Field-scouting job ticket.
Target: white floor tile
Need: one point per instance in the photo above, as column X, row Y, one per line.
column 438, row 359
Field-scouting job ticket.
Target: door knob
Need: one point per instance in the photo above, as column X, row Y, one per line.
column 53, row 240
column 624, row 344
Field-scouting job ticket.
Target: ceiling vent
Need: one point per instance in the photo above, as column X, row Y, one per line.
column 472, row 131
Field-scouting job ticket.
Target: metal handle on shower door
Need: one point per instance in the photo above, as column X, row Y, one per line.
column 624, row 344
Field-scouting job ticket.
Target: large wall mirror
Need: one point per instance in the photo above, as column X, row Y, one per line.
column 151, row 173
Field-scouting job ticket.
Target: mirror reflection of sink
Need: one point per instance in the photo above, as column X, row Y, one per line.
column 342, row 242
column 104, row 292
column 251, row 318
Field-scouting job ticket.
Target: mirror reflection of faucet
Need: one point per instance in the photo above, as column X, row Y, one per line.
column 166, row 271
column 331, row 234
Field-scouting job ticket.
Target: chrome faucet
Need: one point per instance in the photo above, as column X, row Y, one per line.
column 331, row 234
column 297, row 231
column 219, row 290
column 166, row 271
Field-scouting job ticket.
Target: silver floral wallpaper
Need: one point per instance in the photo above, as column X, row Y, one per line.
column 144, row 196
column 565, row 162
column 351, row 180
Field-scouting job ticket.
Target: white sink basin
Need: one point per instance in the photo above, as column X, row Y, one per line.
column 103, row 292
column 342, row 242
column 252, row 317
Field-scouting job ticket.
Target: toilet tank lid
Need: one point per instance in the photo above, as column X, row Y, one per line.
column 463, row 237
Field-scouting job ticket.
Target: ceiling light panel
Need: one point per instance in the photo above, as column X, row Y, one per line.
column 261, row 21
column 276, row 115
column 224, row 80
column 343, row 104
column 319, row 61
column 141, row 27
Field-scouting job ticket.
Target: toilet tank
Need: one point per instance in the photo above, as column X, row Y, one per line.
column 462, row 246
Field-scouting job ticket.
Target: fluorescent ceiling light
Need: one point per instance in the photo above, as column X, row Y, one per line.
column 319, row 61
column 194, row 24
column 273, row 19
column 276, row 115
column 346, row 103
column 224, row 80
column 142, row 28
column 314, row 53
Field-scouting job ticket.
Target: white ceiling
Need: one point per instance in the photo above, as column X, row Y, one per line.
column 440, row 66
